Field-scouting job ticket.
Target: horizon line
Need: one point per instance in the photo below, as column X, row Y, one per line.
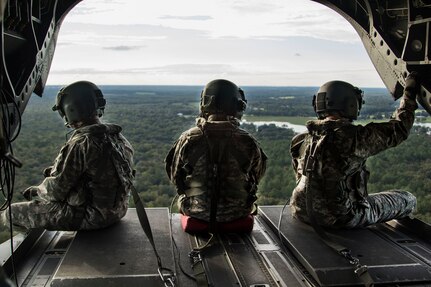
column 194, row 85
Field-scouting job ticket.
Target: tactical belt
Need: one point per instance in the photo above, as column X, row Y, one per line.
column 360, row 270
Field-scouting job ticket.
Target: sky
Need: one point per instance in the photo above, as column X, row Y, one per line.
column 191, row 42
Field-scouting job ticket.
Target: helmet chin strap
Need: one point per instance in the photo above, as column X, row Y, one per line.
column 79, row 124
column 66, row 122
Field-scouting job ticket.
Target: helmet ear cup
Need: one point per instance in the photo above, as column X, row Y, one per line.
column 100, row 103
column 241, row 105
column 314, row 103
column 79, row 101
column 360, row 97
column 242, row 102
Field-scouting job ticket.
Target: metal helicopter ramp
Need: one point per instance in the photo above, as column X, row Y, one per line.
column 397, row 254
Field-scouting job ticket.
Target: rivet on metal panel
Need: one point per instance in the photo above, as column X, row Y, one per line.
column 417, row 46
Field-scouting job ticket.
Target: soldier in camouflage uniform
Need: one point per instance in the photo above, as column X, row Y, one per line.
column 336, row 186
column 216, row 165
column 89, row 184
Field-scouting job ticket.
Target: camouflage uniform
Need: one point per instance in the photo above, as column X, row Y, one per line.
column 87, row 187
column 242, row 164
column 338, row 184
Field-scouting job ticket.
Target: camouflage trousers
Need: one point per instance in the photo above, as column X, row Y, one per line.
column 42, row 214
column 381, row 207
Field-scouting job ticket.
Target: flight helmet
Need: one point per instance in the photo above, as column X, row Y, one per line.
column 79, row 101
column 222, row 97
column 340, row 97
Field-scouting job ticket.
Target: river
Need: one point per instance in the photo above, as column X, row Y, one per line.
column 286, row 125
column 301, row 128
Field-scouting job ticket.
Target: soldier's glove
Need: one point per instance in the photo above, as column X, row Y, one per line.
column 30, row 192
column 413, row 85
column 47, row 171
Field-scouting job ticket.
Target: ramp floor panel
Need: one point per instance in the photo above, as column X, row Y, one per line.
column 397, row 254
column 237, row 259
column 120, row 255
column 388, row 261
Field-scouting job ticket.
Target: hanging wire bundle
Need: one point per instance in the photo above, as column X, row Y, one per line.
column 8, row 162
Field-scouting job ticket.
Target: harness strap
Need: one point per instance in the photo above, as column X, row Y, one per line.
column 360, row 270
column 166, row 274
column 198, row 268
column 216, row 153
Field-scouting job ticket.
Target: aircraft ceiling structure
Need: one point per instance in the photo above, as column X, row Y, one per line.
column 396, row 35
column 29, row 30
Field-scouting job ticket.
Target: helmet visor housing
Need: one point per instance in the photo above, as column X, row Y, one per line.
column 222, row 97
column 340, row 97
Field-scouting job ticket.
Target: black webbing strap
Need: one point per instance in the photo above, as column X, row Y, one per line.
column 166, row 274
column 215, row 154
column 198, row 268
column 360, row 270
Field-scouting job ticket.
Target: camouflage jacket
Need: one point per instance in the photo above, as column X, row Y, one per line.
column 241, row 164
column 91, row 176
column 339, row 180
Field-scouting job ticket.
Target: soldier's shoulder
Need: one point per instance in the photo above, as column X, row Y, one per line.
column 245, row 136
column 347, row 131
column 194, row 131
column 78, row 138
column 190, row 135
column 298, row 139
column 296, row 144
column 242, row 132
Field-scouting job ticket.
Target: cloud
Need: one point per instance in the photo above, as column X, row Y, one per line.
column 192, row 17
column 125, row 34
column 298, row 55
column 87, row 10
column 96, row 6
column 176, row 69
column 123, row 48
column 320, row 24
column 64, row 43
column 199, row 74
column 75, row 71
column 254, row 7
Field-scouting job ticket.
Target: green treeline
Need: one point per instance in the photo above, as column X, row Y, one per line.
column 153, row 117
